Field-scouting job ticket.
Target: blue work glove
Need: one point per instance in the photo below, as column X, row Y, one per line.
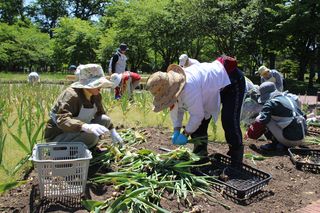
column 175, row 135
column 181, row 140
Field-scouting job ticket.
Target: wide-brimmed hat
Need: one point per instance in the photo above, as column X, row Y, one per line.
column 91, row 76
column 115, row 78
column 267, row 91
column 262, row 70
column 166, row 86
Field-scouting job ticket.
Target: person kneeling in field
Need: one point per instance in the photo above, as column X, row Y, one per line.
column 127, row 82
column 78, row 114
column 280, row 120
column 198, row 89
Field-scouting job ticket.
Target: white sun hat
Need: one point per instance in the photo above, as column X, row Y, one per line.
column 183, row 60
column 115, row 78
column 91, row 76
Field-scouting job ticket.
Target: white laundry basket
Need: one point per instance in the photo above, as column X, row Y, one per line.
column 62, row 168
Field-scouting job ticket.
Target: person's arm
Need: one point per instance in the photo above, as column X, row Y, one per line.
column 258, row 127
column 100, row 109
column 255, row 130
column 115, row 59
column 67, row 107
column 194, row 104
column 279, row 80
column 176, row 115
column 265, row 115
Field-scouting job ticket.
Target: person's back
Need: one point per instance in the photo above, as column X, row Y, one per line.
column 284, row 111
column 33, row 78
column 206, row 79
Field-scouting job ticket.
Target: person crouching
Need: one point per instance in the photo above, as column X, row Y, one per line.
column 280, row 120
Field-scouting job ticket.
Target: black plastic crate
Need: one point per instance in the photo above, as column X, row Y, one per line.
column 242, row 182
column 306, row 159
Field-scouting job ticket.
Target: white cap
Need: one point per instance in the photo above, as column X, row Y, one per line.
column 183, row 59
column 115, row 78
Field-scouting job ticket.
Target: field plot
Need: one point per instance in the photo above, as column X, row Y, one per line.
column 141, row 176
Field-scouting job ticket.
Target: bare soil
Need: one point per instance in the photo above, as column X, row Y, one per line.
column 289, row 189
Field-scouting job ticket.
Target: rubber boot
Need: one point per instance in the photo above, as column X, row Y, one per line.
column 236, row 156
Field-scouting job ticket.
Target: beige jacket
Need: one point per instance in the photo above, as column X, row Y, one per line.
column 66, row 109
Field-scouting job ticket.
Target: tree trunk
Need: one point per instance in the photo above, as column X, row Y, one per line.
column 302, row 69
column 272, row 61
column 312, row 74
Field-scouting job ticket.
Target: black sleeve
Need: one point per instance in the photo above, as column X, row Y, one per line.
column 115, row 59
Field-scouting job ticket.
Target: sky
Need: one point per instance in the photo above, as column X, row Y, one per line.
column 27, row 2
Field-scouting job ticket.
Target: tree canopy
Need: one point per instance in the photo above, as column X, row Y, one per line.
column 281, row 34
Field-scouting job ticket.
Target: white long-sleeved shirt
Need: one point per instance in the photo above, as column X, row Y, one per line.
column 200, row 95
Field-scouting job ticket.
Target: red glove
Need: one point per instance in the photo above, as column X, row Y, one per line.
column 255, row 130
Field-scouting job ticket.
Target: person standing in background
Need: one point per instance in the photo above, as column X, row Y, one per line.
column 118, row 64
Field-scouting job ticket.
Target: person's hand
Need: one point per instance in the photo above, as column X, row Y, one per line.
column 116, row 138
column 95, row 129
column 175, row 135
column 181, row 140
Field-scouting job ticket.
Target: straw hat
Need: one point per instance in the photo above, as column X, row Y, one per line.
column 115, row 78
column 262, row 70
column 166, row 87
column 91, row 76
column 267, row 91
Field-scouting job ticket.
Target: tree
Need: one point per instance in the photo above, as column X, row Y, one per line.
column 47, row 12
column 85, row 9
column 76, row 41
column 10, row 10
column 300, row 27
column 24, row 47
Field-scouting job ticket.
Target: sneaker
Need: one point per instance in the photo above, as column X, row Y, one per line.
column 269, row 147
column 281, row 147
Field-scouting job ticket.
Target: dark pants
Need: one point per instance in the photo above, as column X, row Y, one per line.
column 231, row 99
column 201, row 138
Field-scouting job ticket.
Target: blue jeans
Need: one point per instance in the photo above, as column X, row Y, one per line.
column 231, row 99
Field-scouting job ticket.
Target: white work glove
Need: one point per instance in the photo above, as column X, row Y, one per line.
column 116, row 137
column 96, row 129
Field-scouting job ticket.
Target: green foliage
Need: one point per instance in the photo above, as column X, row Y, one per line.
column 47, row 12
column 143, row 177
column 10, row 10
column 157, row 32
column 23, row 46
column 289, row 68
column 7, row 186
column 75, row 41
